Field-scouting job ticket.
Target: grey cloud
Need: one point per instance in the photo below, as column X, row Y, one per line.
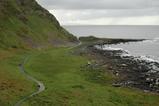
column 93, row 14
column 103, row 11
column 119, row 13
column 99, row 4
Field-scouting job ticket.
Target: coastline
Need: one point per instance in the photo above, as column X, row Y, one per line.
column 129, row 71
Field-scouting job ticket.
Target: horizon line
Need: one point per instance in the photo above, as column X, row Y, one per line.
column 105, row 25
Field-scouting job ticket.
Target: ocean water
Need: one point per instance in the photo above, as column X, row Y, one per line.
column 148, row 50
column 146, row 32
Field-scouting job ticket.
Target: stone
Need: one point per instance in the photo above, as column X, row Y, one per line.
column 151, row 85
column 88, row 63
column 117, row 74
column 152, row 71
column 146, row 91
column 147, row 79
column 157, row 81
column 116, row 85
column 124, row 65
column 152, row 80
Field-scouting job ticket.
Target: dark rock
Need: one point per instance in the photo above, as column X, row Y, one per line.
column 116, row 85
column 133, row 71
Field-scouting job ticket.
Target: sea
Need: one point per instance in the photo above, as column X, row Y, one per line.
column 147, row 50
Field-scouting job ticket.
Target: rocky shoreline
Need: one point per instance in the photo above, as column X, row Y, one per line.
column 130, row 71
column 101, row 41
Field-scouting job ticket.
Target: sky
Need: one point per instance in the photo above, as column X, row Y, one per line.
column 104, row 12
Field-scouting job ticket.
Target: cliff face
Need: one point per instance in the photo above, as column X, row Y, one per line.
column 24, row 23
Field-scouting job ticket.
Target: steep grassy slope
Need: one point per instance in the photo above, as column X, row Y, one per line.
column 24, row 23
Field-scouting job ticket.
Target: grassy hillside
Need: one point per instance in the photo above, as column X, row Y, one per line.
column 67, row 78
column 69, row 83
column 13, row 85
column 24, row 23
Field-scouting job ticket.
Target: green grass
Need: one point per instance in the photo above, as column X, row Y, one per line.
column 29, row 25
column 69, row 85
column 13, row 85
column 67, row 81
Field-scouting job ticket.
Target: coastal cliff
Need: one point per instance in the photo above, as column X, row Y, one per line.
column 25, row 24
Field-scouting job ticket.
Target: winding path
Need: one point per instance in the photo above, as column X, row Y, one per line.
column 40, row 85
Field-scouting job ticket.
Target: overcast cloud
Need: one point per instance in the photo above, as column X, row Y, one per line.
column 99, row 12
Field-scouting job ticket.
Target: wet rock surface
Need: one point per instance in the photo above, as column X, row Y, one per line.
column 132, row 72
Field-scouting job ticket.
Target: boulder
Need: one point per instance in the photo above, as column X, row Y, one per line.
column 116, row 85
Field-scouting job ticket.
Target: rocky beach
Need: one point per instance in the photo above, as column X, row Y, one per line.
column 130, row 71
